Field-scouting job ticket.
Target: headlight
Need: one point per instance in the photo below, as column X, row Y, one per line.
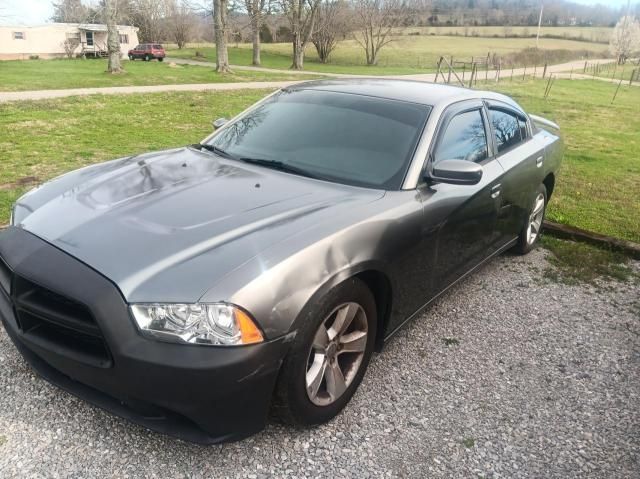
column 208, row 324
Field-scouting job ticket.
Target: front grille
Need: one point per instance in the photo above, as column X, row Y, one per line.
column 56, row 322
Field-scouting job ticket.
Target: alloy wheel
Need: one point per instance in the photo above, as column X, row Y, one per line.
column 535, row 219
column 336, row 353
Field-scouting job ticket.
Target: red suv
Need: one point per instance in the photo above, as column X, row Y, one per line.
column 147, row 51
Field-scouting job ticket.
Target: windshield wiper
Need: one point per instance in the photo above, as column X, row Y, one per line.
column 214, row 149
column 281, row 166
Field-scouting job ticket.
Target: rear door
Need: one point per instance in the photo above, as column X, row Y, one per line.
column 522, row 159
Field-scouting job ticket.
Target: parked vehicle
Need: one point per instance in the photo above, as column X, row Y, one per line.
column 147, row 52
column 185, row 289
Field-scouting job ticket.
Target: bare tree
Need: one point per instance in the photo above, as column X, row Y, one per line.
column 256, row 11
column 181, row 23
column 332, row 24
column 149, row 16
column 113, row 37
column 301, row 15
column 221, row 26
column 70, row 11
column 374, row 23
column 625, row 39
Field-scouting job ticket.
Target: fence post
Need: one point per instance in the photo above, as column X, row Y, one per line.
column 544, row 72
column 633, row 72
column 438, row 71
column 535, row 70
column 524, row 72
column 616, row 93
column 585, row 68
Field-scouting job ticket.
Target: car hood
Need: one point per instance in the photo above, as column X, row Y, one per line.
column 166, row 226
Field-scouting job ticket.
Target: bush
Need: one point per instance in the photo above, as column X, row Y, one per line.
column 265, row 34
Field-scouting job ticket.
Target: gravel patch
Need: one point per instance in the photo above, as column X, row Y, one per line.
column 507, row 375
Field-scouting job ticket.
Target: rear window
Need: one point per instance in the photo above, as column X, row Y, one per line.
column 157, row 47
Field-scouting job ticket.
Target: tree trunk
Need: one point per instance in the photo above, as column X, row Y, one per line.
column 298, row 52
column 255, row 31
column 220, row 24
column 113, row 38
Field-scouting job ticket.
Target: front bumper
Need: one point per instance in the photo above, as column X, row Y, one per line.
column 202, row 394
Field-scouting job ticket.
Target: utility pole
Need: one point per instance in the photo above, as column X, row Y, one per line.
column 539, row 24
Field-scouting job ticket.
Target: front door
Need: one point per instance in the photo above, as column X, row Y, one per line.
column 467, row 215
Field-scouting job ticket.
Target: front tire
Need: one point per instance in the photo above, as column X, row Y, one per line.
column 329, row 356
column 160, row 59
column 131, row 57
column 147, row 58
column 532, row 228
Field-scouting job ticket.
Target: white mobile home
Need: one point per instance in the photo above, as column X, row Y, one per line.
column 49, row 40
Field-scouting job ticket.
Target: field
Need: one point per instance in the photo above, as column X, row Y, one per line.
column 598, row 188
column 406, row 54
column 585, row 34
column 599, row 184
column 22, row 75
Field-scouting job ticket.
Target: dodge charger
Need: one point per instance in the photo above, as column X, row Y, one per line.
column 196, row 290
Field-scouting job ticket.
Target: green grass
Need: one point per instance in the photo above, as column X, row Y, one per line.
column 21, row 75
column 406, row 54
column 583, row 263
column 598, row 188
column 40, row 140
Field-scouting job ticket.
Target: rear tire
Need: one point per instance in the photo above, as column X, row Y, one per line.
column 532, row 229
column 295, row 402
column 131, row 57
column 160, row 59
column 147, row 58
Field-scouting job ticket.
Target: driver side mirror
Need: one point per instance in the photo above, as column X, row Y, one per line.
column 456, row 172
column 219, row 123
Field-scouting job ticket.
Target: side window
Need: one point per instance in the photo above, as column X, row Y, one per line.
column 524, row 134
column 464, row 139
column 507, row 129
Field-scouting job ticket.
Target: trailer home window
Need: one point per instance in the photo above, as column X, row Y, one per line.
column 18, row 35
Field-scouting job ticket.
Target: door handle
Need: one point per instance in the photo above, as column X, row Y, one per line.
column 495, row 190
column 539, row 161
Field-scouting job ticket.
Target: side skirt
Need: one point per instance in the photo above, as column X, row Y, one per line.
column 501, row 250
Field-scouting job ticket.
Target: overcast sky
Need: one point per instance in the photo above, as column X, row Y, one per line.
column 33, row 12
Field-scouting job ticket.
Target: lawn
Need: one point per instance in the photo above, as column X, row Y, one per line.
column 599, row 184
column 598, row 188
column 40, row 140
column 21, row 75
column 406, row 54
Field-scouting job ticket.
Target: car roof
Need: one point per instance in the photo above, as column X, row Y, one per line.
column 432, row 94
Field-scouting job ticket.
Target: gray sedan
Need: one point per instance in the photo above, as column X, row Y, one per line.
column 194, row 290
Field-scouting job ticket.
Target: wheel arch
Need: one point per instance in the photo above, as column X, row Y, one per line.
column 376, row 278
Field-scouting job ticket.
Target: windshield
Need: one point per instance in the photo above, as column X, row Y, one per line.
column 352, row 139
